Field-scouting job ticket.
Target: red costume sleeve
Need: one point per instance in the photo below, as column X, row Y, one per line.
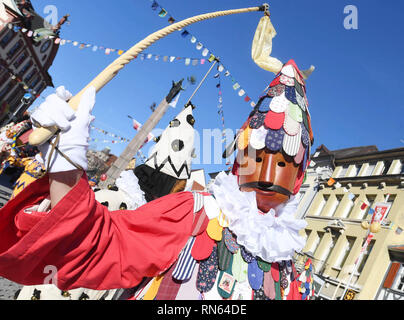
column 90, row 246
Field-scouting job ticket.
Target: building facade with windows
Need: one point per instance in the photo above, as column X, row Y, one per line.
column 393, row 284
column 25, row 56
column 335, row 236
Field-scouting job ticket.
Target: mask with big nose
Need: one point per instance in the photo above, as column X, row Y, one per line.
column 272, row 175
column 274, row 143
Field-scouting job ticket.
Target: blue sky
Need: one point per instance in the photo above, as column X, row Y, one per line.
column 355, row 94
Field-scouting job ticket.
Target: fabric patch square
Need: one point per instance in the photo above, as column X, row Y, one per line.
column 263, row 106
column 275, row 82
column 239, row 267
column 300, row 155
column 276, row 91
column 215, row 230
column 202, row 247
column 186, row 263
column 274, row 139
column 227, row 283
column 200, row 223
column 299, row 88
column 301, row 102
column 288, row 70
column 291, row 126
column 306, row 122
column 269, row 286
column 230, row 241
column 223, row 220
column 275, row 271
column 244, row 138
column 255, row 275
column 198, row 201
column 207, row 272
column 257, row 120
column 274, row 120
column 305, row 136
column 290, row 93
column 169, row 287
column 287, row 81
column 299, row 78
column 257, row 139
column 260, row 295
column 264, row 266
column 279, row 104
column 295, row 112
column 291, row 144
column 225, row 257
column 248, row 257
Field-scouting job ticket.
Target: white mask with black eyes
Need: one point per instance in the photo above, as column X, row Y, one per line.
column 173, row 152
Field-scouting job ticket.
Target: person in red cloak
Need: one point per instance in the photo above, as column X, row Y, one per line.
column 56, row 223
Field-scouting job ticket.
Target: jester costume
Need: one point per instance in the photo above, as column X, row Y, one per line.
column 188, row 245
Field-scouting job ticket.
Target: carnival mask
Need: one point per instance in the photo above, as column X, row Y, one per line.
column 274, row 144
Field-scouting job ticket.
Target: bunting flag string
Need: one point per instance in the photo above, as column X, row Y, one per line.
column 205, row 52
column 113, row 135
column 220, row 110
column 107, row 50
column 120, row 139
column 107, row 141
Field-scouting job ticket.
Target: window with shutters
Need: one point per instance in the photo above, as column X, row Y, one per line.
column 370, row 199
column 370, row 169
column 350, row 205
column 386, row 167
column 391, row 279
column 35, row 82
column 6, row 89
column 343, row 171
column 15, row 48
column 399, row 283
column 25, row 68
column 316, row 242
column 344, row 253
column 30, row 75
column 335, row 204
column 7, row 38
column 21, row 58
column 321, row 205
column 327, row 252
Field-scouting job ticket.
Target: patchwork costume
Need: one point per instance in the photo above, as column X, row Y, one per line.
column 236, row 251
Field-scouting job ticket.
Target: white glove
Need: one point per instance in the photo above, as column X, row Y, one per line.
column 75, row 128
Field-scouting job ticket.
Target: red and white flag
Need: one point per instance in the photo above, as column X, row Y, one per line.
column 137, row 125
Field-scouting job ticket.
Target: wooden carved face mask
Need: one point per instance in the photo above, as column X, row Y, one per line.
column 272, row 175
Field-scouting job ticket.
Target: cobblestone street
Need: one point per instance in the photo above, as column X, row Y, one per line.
column 8, row 289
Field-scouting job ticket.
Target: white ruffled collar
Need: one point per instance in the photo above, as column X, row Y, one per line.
column 128, row 184
column 274, row 236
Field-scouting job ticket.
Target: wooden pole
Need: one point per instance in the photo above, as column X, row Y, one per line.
column 132, row 149
column 134, row 146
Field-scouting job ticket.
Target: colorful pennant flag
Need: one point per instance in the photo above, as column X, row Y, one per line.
column 162, row 13
column 330, row 182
